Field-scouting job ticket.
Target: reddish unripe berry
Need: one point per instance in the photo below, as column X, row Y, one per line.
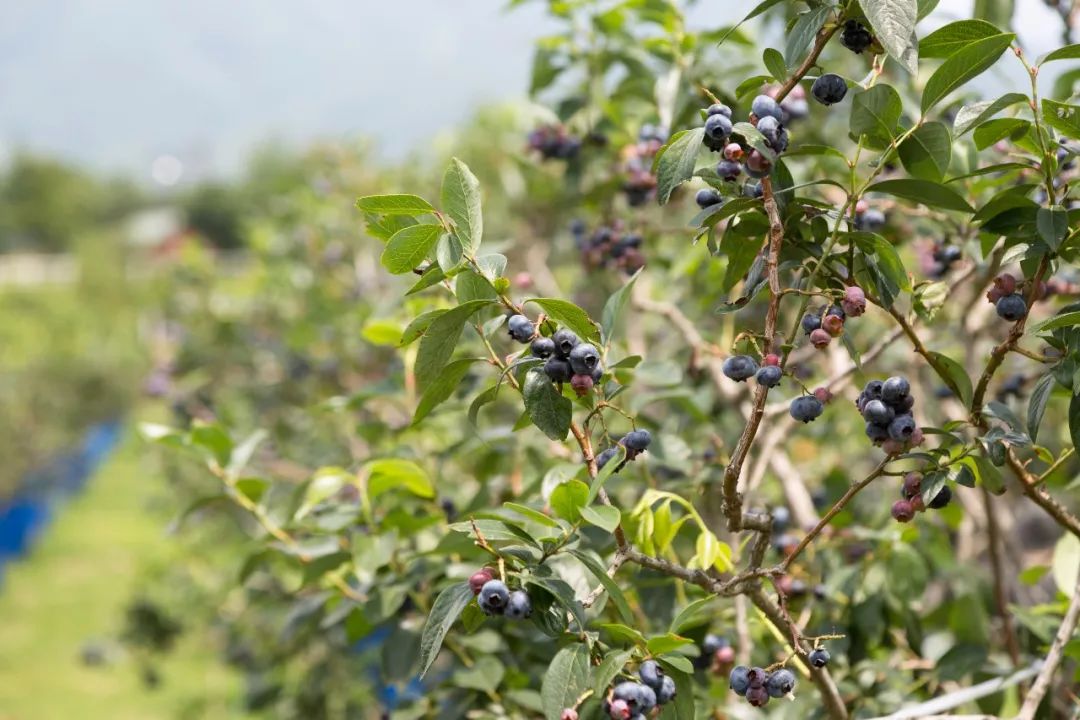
column 733, row 151
column 757, row 162
column 523, row 280
column 854, row 302
column 582, row 384
column 725, row 655
column 902, row 511
column 820, row 338
column 917, row 503
column 1006, row 283
column 861, row 207
column 917, row 438
column 783, row 585
column 619, row 710
column 823, row 395
column 893, row 447
column 833, row 324
column 569, row 714
column 479, row 579
column 1041, row 290
column 757, row 696
column 994, row 294
column 771, row 359
column 912, row 484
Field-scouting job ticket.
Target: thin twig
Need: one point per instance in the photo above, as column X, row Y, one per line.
column 1053, row 658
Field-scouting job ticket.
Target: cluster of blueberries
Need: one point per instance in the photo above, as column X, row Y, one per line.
column 633, row 443
column 757, row 685
column 825, row 324
column 887, row 409
column 608, row 245
column 943, row 256
column 494, row 598
column 855, row 37
column 640, row 183
column 634, row 700
column 567, row 359
column 911, row 501
column 804, row 408
column 553, row 142
column 1007, row 300
column 767, row 116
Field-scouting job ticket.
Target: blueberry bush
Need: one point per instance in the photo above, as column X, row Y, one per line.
column 736, row 373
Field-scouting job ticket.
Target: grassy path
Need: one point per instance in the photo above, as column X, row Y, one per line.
column 73, row 589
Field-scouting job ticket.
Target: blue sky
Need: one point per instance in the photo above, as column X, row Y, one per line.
column 116, row 83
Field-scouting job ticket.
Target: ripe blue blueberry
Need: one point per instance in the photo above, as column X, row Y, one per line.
column 781, row 141
column 521, row 328
column 739, row 367
column 780, row 683
column 753, row 190
column 719, row 109
column 941, row 499
column 769, row 376
column 646, row 699
column 718, row 128
column 706, row 197
column 1011, row 307
column 829, row 89
column 728, row 169
column 877, row 433
column 805, row 408
column 637, row 440
column 769, row 127
column 871, row 220
column 651, row 674
column 493, row 597
column 902, row 428
column 565, row 341
column 810, row 322
column 819, row 657
column 519, row 606
column 856, row 37
column 712, row 643
column 543, row 347
column 584, row 358
column 558, row 369
column 781, row 518
column 878, row 412
column 605, row 457
column 894, row 390
column 764, row 106
column 667, row 691
column 739, row 679
column 597, row 373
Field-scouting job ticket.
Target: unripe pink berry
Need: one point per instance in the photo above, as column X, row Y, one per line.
column 757, row 162
column 912, row 484
column 569, row 714
column 725, row 655
column 902, row 511
column 892, row 447
column 771, row 359
column 833, row 324
column 861, row 207
column 582, row 384
column 480, row 578
column 854, row 302
column 1006, row 283
column 820, row 338
column 917, row 438
column 733, row 151
column 823, row 395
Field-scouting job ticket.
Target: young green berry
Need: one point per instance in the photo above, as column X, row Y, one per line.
column 829, row 89
column 819, row 657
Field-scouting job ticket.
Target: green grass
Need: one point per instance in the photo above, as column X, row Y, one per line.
column 74, row 587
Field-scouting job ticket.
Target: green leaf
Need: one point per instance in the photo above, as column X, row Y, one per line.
column 1069, row 52
column 758, row 9
column 546, row 407
column 925, row 192
column 1003, row 412
column 1040, row 395
column 1053, row 225
column 962, row 66
column 532, row 513
column 802, row 34
column 569, row 315
column 774, row 63
column 444, row 612
column 624, row 633
column 461, row 202
column 875, row 114
column 741, row 247
column 954, row 37
column 408, row 247
column 610, row 586
column 438, row 343
column 684, row 708
column 999, row 12
column 442, row 388
column 609, row 668
column 602, row 516
column 991, row 131
column 894, row 26
column 927, row 152
column 1074, row 420
column 606, row 472
column 956, row 377
column 395, row 205
column 432, row 276
column 568, row 498
column 676, row 161
column 1066, row 563
column 987, row 475
column 419, row 326
column 753, row 138
column 614, row 307
column 661, row 644
column 449, row 253
column 567, row 677
column 971, row 115
column 484, row 675
column 693, row 615
column 469, row 285
column 393, row 473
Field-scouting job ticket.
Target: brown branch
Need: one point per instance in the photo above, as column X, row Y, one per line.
column 1030, row 486
column 732, row 499
column 1053, row 658
column 590, row 463
column 1001, row 601
column 828, row 516
column 830, row 695
column 823, row 37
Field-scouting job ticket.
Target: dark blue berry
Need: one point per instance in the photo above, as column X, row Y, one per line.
column 739, row 679
column 518, row 607
column 780, row 683
column 739, row 367
column 769, row 376
column 719, row 109
column 521, row 328
column 667, row 691
column 1011, row 307
column 558, row 369
column 819, row 657
column 565, row 341
column 706, row 197
column 718, row 128
column 584, row 358
column 637, row 440
column 543, row 347
column 605, row 457
column 806, row 408
column 810, row 322
column 901, row 428
column 856, row 37
column 894, row 390
column 878, row 412
column 829, row 89
column 493, row 597
column 728, row 169
column 764, row 106
column 651, row 674
column 941, row 499
column 877, row 433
